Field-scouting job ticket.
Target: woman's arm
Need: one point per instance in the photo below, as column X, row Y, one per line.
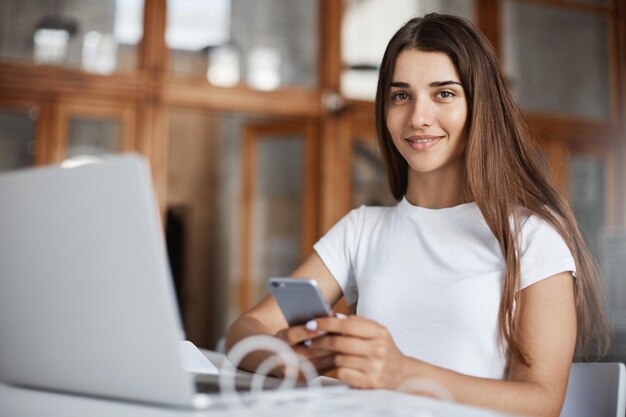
column 367, row 357
column 266, row 318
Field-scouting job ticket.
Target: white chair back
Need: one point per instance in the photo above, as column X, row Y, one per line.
column 595, row 390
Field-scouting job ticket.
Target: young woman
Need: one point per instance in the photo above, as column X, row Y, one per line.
column 478, row 279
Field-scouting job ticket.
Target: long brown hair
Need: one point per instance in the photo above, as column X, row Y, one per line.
column 503, row 170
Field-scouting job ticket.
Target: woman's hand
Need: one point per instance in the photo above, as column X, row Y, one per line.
column 365, row 354
column 300, row 339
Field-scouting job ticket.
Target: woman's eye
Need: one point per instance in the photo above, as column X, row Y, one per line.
column 399, row 96
column 445, row 94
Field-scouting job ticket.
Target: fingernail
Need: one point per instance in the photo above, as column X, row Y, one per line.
column 308, row 343
column 311, row 325
column 341, row 316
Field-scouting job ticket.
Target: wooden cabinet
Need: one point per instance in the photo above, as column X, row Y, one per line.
column 210, row 143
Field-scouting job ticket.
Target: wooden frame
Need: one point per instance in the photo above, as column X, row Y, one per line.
column 253, row 134
column 488, row 20
column 354, row 127
column 287, row 101
column 42, row 134
column 572, row 5
column 56, row 80
column 69, row 107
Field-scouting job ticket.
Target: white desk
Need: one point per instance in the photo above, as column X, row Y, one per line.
column 17, row 402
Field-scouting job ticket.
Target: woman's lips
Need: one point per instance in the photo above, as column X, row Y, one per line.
column 423, row 142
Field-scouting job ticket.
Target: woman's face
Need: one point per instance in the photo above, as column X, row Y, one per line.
column 427, row 111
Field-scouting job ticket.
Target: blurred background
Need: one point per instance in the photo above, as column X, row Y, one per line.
column 257, row 119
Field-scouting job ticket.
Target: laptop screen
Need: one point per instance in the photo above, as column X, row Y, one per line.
column 86, row 299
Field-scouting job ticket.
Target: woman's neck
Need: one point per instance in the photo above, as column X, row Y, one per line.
column 441, row 189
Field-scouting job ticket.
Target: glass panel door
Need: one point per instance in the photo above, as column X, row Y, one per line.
column 595, row 198
column 87, row 129
column 369, row 177
column 278, row 205
column 17, row 137
column 587, row 175
column 99, row 36
column 93, row 137
column 557, row 59
column 264, row 45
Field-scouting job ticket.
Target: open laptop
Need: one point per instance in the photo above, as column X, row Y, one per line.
column 87, row 303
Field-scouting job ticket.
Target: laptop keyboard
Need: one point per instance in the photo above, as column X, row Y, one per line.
column 209, row 384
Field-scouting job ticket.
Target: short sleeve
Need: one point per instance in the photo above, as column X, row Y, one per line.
column 544, row 252
column 336, row 249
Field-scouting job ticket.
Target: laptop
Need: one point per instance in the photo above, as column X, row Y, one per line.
column 87, row 303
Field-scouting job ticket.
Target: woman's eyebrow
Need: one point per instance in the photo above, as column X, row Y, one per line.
column 443, row 83
column 402, row 84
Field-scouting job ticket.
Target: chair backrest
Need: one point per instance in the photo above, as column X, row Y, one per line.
column 595, row 390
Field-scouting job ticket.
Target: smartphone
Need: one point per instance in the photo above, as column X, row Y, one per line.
column 300, row 299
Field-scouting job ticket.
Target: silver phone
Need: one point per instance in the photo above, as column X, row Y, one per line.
column 300, row 299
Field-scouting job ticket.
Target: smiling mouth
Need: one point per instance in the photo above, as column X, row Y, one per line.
column 423, row 142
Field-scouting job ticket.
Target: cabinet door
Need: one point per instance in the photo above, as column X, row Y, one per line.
column 541, row 43
column 238, row 43
column 22, row 133
column 98, row 36
column 87, row 129
column 17, row 138
column 278, row 225
column 595, row 195
column 368, row 184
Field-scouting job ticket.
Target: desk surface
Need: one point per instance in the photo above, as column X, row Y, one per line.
column 18, row 402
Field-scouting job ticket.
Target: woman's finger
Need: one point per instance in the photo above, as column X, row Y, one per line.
column 324, row 363
column 297, row 334
column 351, row 326
column 321, row 364
column 359, row 363
column 311, row 352
column 346, row 345
column 354, row 378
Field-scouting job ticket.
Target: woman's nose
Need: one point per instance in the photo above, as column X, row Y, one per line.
column 421, row 114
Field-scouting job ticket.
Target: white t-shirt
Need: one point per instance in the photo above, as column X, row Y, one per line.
column 434, row 278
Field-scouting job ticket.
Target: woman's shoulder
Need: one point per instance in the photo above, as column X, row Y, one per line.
column 358, row 223
column 532, row 223
column 370, row 214
column 544, row 251
column 539, row 234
